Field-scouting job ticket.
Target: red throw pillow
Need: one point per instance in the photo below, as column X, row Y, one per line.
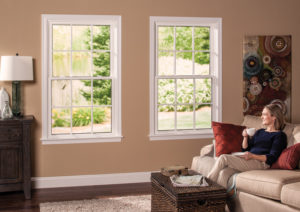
column 288, row 159
column 228, row 138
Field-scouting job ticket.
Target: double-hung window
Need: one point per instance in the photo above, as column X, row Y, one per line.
column 185, row 77
column 81, row 86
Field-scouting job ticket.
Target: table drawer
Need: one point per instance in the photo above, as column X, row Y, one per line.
column 10, row 133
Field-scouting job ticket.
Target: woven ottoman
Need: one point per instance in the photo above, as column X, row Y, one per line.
column 166, row 197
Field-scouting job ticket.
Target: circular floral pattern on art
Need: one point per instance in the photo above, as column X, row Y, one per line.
column 245, row 104
column 254, row 80
column 278, row 45
column 252, row 65
column 255, row 89
column 267, row 59
column 251, row 97
column 275, row 83
column 265, row 75
column 279, row 72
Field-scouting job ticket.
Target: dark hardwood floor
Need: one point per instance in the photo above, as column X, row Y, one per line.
column 15, row 201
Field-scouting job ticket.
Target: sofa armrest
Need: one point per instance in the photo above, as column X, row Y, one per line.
column 202, row 164
column 207, row 150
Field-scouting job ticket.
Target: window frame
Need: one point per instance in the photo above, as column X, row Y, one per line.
column 215, row 25
column 48, row 20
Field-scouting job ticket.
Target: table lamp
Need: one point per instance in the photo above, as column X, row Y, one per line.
column 16, row 69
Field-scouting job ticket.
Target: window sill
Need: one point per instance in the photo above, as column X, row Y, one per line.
column 180, row 136
column 46, row 141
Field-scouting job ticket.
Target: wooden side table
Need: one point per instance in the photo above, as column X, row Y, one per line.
column 166, row 197
column 15, row 170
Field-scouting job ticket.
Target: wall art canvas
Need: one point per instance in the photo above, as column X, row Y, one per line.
column 267, row 71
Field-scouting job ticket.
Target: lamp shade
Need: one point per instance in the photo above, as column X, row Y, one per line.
column 16, row 68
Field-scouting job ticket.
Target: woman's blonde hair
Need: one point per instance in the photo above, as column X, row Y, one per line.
column 276, row 110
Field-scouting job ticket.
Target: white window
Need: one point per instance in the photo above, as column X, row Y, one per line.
column 81, row 85
column 185, row 77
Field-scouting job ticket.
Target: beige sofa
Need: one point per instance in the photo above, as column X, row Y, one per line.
column 271, row 190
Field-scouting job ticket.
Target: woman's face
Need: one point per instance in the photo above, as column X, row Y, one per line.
column 266, row 117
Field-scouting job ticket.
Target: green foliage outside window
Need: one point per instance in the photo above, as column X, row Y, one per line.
column 167, row 95
column 184, row 42
column 60, row 119
column 82, row 116
column 101, row 61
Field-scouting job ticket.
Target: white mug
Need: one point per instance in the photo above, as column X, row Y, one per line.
column 250, row 131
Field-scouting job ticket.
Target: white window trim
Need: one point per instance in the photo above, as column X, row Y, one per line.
column 216, row 60
column 115, row 22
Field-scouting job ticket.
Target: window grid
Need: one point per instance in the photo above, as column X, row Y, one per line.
column 194, row 81
column 92, row 82
column 71, row 82
column 175, row 81
column 71, row 78
column 175, row 77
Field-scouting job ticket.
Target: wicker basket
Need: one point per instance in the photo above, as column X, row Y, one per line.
column 165, row 197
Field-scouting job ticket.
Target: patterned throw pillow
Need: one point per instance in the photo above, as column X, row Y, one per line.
column 288, row 159
column 228, row 138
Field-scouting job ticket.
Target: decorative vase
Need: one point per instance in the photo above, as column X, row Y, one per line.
column 3, row 98
column 6, row 112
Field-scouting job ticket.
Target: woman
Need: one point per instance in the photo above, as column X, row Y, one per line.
column 262, row 149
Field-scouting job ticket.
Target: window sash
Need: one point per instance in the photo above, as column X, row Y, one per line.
column 214, row 74
column 115, row 75
column 175, row 104
column 72, row 77
column 175, row 51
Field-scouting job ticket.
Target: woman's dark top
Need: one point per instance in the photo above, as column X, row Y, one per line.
column 266, row 143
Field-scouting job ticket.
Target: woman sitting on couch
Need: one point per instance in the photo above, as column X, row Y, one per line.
column 262, row 149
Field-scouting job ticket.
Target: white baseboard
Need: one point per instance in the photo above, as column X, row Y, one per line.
column 90, row 180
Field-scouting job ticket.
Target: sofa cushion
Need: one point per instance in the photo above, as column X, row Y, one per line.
column 245, row 202
column 289, row 158
column 290, row 194
column 252, row 122
column 266, row 183
column 288, row 130
column 296, row 133
column 207, row 150
column 228, row 138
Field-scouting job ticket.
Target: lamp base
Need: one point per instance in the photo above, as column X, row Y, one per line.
column 16, row 98
column 17, row 114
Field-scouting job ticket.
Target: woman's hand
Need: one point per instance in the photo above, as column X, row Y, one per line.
column 245, row 134
column 245, row 139
column 248, row 156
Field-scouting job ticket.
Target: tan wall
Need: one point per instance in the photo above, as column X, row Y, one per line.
column 20, row 25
